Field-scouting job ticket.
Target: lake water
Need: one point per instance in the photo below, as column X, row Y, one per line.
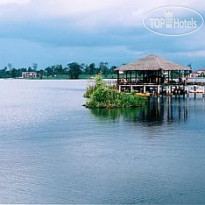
column 53, row 150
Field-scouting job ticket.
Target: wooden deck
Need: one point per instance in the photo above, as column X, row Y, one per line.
column 165, row 89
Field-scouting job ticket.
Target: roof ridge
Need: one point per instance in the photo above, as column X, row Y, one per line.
column 157, row 59
column 153, row 62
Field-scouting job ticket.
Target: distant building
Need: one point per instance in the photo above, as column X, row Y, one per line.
column 29, row 75
column 194, row 75
column 201, row 72
column 198, row 73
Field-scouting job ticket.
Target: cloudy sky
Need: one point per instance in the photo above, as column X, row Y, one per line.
column 51, row 32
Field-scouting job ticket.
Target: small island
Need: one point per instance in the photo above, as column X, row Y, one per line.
column 102, row 95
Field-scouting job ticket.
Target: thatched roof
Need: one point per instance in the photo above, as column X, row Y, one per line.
column 153, row 62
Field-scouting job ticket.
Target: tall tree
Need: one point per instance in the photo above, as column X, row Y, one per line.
column 92, row 69
column 58, row 69
column 14, row 73
column 49, row 71
column 35, row 66
column 103, row 68
column 74, row 70
column 40, row 74
column 112, row 69
column 10, row 66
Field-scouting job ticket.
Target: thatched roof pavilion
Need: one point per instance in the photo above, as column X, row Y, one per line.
column 153, row 63
column 152, row 70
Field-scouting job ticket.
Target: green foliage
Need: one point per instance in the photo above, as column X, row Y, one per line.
column 130, row 114
column 13, row 73
column 74, row 70
column 104, row 96
column 89, row 91
column 99, row 83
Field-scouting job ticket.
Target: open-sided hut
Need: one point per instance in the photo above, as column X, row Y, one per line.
column 152, row 70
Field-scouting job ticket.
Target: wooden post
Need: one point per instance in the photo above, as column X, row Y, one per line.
column 143, row 75
column 144, row 89
column 135, row 76
column 172, row 77
column 158, row 90
column 118, row 77
column 168, row 90
column 179, row 75
column 184, row 81
column 188, row 92
column 168, row 76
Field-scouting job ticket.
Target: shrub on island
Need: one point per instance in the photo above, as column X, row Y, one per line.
column 101, row 95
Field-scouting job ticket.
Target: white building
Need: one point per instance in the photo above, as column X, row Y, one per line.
column 201, row 72
column 29, row 75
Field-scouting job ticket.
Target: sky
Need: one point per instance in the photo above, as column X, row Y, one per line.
column 49, row 32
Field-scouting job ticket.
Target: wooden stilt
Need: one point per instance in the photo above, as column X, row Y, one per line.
column 144, row 89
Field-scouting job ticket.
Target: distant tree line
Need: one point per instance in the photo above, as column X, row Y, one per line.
column 72, row 70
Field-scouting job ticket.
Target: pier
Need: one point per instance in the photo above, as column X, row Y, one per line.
column 164, row 89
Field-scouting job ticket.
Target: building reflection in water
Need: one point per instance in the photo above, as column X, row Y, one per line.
column 159, row 111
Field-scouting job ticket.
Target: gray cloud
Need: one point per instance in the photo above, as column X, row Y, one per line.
column 67, row 37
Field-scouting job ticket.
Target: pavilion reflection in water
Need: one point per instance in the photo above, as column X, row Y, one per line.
column 159, row 111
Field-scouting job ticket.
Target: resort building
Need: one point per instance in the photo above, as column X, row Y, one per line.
column 194, row 75
column 201, row 73
column 152, row 74
column 198, row 73
column 29, row 75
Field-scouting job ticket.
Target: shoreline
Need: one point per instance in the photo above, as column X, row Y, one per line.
column 57, row 79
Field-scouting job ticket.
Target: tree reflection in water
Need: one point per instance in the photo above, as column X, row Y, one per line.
column 158, row 111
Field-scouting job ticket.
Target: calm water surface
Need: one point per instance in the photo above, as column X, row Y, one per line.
column 53, row 150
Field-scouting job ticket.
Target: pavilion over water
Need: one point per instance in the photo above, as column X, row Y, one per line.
column 152, row 74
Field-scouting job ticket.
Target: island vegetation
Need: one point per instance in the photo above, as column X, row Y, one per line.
column 102, row 95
